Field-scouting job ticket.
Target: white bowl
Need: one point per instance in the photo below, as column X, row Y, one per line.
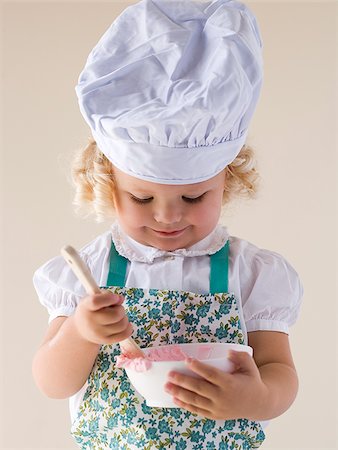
column 150, row 384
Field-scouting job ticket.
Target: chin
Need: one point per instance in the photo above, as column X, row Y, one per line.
column 171, row 246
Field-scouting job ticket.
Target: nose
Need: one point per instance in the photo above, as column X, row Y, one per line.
column 168, row 213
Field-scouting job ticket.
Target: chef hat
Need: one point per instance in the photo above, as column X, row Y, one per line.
column 171, row 86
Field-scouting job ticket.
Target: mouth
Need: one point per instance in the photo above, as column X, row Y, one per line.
column 173, row 233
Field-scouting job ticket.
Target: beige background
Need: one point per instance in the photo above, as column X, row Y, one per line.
column 45, row 45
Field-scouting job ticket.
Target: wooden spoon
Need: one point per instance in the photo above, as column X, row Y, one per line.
column 80, row 269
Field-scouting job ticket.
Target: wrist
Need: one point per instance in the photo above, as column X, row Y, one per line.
column 261, row 403
column 278, row 389
column 75, row 326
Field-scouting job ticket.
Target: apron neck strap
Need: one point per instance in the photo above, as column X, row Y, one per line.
column 117, row 268
column 219, row 263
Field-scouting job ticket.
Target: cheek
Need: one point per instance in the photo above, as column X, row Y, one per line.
column 209, row 211
column 134, row 215
column 205, row 213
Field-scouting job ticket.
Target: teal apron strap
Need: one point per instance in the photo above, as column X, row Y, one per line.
column 219, row 265
column 117, row 268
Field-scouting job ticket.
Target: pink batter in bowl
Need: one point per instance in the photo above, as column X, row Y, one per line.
column 149, row 375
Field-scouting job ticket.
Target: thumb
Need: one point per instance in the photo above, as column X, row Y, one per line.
column 242, row 361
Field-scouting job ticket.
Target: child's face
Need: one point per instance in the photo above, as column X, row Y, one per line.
column 164, row 216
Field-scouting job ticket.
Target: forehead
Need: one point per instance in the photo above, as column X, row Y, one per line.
column 128, row 182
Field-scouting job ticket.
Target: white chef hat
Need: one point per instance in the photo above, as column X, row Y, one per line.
column 170, row 88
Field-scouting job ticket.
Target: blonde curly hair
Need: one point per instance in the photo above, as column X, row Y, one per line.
column 93, row 177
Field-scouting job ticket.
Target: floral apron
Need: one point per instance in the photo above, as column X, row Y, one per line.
column 113, row 415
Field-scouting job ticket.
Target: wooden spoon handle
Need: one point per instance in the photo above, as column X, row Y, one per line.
column 80, row 269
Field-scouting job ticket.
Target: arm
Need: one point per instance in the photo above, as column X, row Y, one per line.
column 260, row 388
column 67, row 354
column 273, row 358
column 64, row 359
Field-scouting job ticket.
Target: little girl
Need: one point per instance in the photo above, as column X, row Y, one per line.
column 168, row 93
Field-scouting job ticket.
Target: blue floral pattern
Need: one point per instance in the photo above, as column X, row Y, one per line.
column 114, row 416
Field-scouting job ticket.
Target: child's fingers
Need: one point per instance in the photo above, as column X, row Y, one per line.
column 99, row 301
column 114, row 338
column 110, row 315
column 209, row 373
column 179, row 382
column 116, row 328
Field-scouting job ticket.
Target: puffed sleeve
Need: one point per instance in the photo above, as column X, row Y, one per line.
column 58, row 288
column 271, row 291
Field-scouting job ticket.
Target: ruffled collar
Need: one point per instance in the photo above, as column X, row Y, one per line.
column 134, row 251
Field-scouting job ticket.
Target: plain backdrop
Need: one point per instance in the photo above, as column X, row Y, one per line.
column 44, row 48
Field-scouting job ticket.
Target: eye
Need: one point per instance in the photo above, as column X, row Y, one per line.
column 141, row 201
column 194, row 200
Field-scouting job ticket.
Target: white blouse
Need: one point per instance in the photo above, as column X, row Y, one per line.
column 266, row 286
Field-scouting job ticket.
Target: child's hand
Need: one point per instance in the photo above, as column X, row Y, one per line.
column 101, row 319
column 220, row 395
